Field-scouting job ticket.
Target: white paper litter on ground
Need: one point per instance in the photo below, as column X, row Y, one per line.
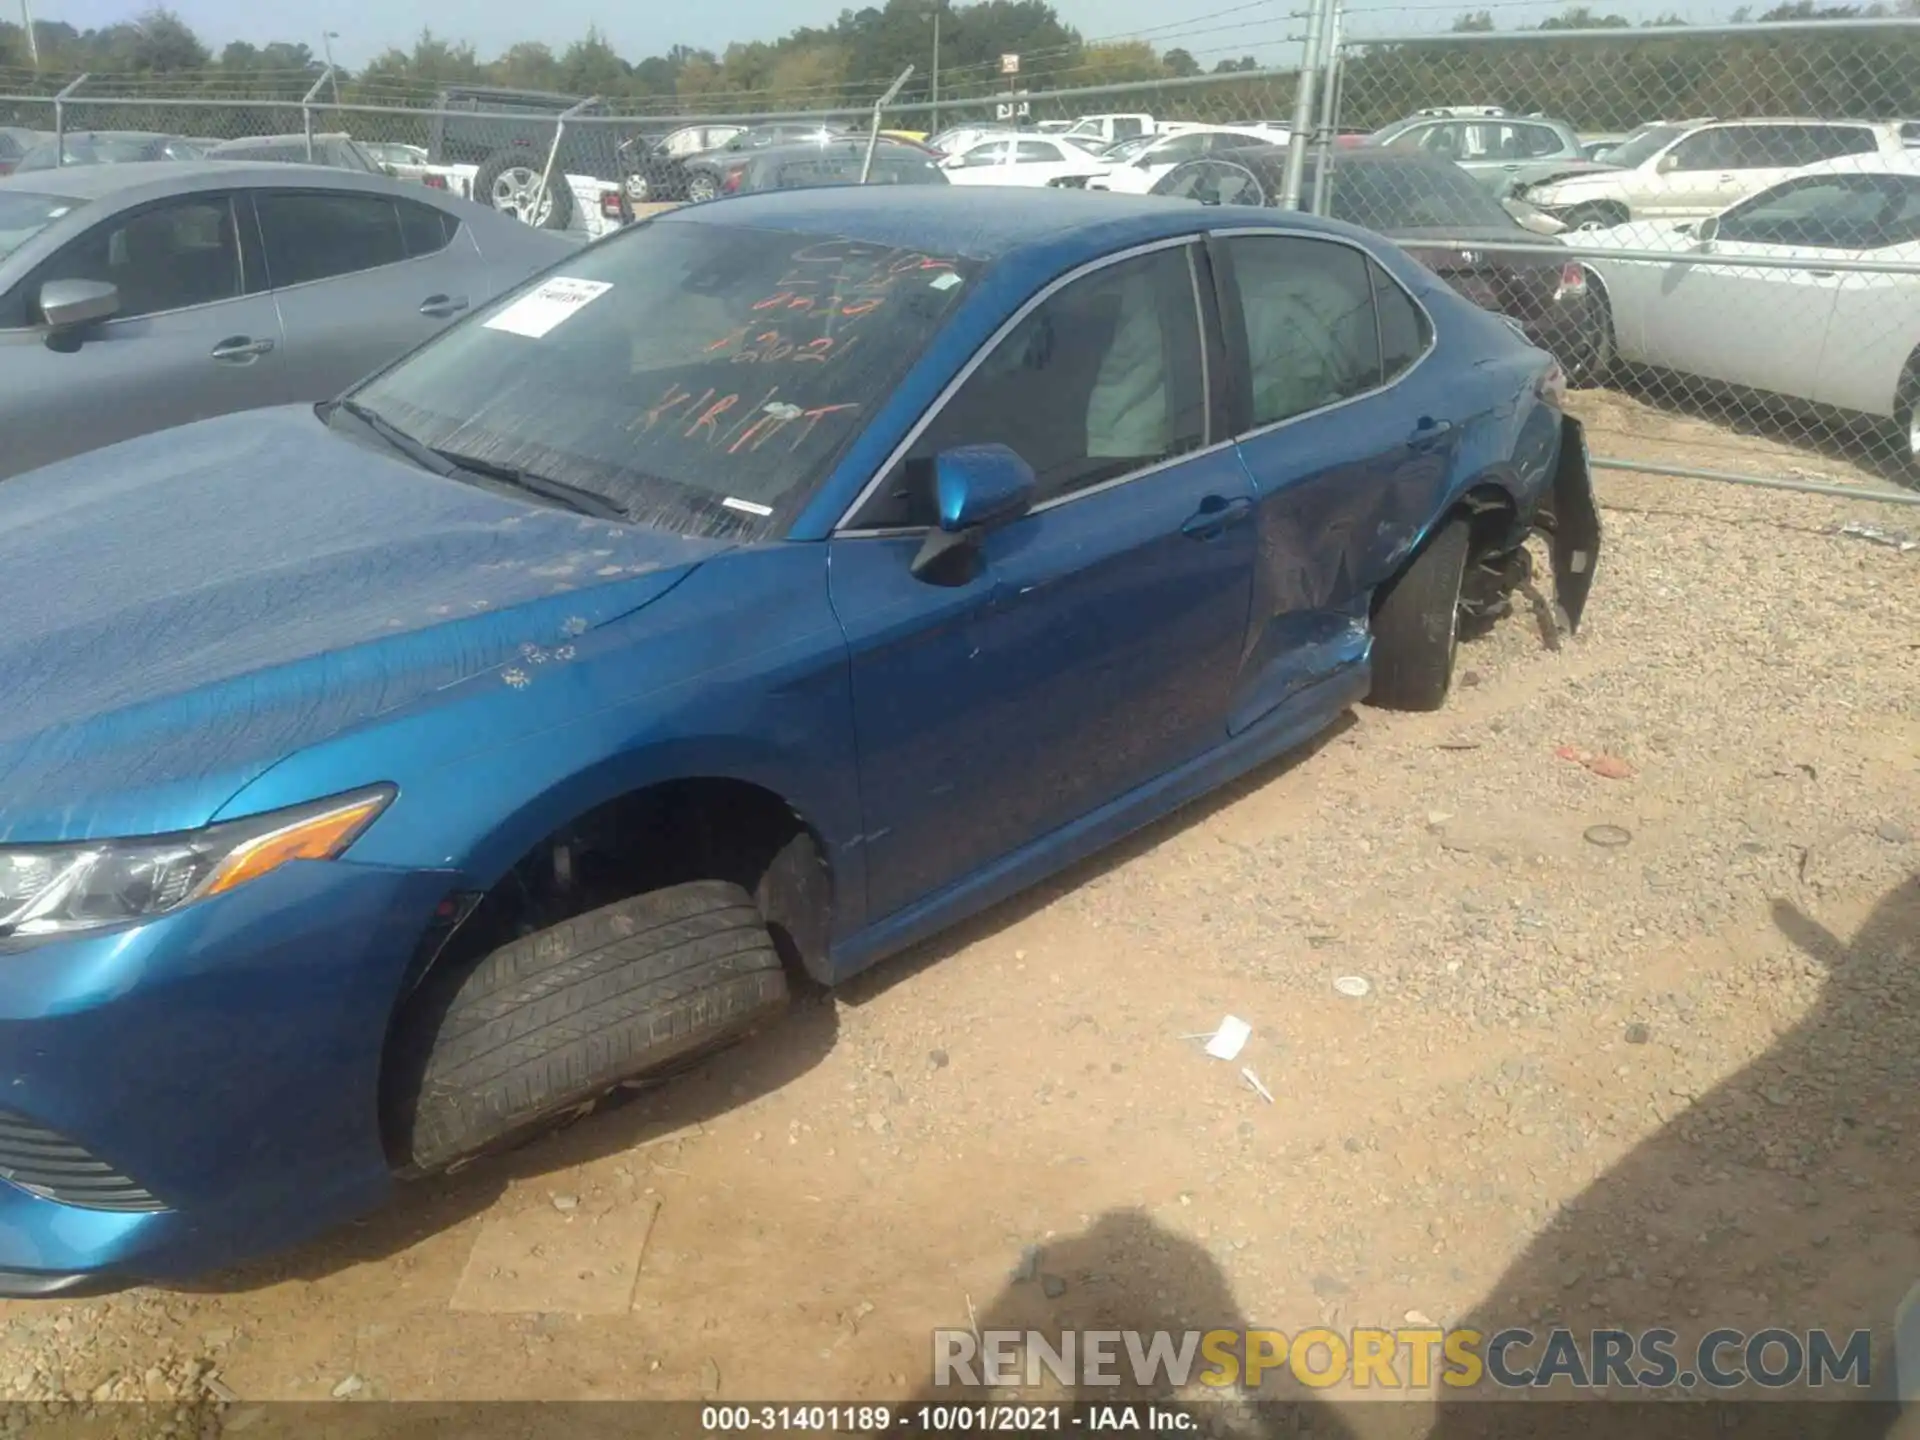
column 1230, row 1039
column 1352, row 986
column 1254, row 1080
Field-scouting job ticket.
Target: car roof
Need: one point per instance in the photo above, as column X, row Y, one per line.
column 1078, row 224
column 158, row 179
column 72, row 135
column 1903, row 162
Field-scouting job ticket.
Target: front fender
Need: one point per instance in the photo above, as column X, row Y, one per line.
column 740, row 674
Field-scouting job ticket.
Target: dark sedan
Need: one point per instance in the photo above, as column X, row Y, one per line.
column 339, row 152
column 106, row 147
column 1423, row 203
column 707, row 171
column 791, row 167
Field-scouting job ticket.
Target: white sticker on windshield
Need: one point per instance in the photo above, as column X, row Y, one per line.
column 747, row 505
column 539, row 311
column 944, row 282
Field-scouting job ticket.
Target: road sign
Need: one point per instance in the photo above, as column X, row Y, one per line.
column 1009, row 64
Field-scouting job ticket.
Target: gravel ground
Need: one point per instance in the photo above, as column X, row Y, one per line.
column 1638, row 914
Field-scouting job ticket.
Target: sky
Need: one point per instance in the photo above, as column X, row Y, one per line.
column 1211, row 29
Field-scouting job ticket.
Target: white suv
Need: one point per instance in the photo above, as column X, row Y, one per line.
column 1688, row 169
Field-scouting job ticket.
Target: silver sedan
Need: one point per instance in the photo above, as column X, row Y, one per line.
column 138, row 297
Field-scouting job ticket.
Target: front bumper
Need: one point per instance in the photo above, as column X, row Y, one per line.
column 202, row 1089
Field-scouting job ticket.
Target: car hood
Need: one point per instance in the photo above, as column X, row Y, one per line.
column 186, row 609
column 1572, row 176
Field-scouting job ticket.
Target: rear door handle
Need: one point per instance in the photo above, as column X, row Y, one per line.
column 1429, row 433
column 441, row 306
column 1216, row 516
column 241, row 349
column 1822, row 274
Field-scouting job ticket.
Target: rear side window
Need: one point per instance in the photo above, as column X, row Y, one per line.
column 1307, row 307
column 312, row 236
column 1831, row 142
column 1404, row 331
column 425, row 230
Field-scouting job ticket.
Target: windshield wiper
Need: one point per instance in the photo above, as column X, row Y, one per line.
column 451, row 462
column 421, row 454
column 574, row 497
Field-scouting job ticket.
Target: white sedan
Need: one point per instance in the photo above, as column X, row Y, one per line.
column 1809, row 333
column 1023, row 160
column 1139, row 163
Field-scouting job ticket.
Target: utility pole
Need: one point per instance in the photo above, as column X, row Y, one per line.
column 1300, row 135
column 33, row 40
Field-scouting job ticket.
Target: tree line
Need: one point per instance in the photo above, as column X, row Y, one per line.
column 1653, row 70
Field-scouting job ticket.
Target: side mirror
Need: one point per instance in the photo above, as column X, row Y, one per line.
column 977, row 488
column 1666, row 164
column 1706, row 230
column 65, row 304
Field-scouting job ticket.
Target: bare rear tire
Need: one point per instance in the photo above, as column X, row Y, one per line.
column 1416, row 623
column 485, row 1055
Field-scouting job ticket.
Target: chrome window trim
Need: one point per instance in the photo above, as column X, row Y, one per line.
column 841, row 527
column 1433, row 330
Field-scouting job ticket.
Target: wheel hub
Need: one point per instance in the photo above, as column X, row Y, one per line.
column 516, row 190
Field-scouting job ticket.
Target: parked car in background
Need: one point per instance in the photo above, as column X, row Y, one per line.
column 1498, row 152
column 1109, row 128
column 1053, row 127
column 1422, row 202
column 793, row 167
column 1137, row 164
column 496, row 144
column 1024, row 160
column 1804, row 336
column 706, row 172
column 392, row 154
column 957, row 138
column 1689, row 170
column 391, row 779
column 15, row 141
column 135, row 297
column 692, row 139
column 341, row 152
column 106, row 147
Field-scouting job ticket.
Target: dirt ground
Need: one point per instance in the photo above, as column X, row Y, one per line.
column 1660, row 1073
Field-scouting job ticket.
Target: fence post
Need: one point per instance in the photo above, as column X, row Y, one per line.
column 873, row 131
column 306, row 109
column 1297, row 135
column 553, row 153
column 1329, row 107
column 60, row 120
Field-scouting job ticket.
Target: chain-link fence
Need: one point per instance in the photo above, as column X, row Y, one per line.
column 1736, row 210
column 1716, row 228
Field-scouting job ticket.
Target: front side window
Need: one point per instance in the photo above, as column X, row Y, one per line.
column 1307, row 308
column 704, row 378
column 1101, row 379
column 316, row 236
column 1844, row 212
column 993, row 152
column 1642, row 145
column 1718, row 149
column 167, row 257
column 1036, row 152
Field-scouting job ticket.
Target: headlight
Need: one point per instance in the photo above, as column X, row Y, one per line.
column 63, row 889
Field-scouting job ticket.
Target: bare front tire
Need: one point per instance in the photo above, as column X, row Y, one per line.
column 510, row 183
column 487, row 1054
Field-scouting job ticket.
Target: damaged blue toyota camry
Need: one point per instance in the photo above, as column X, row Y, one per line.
column 761, row 591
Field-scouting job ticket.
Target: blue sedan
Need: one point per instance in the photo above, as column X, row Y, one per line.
column 757, row 593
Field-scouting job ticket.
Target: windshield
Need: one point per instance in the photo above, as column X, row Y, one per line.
column 1643, row 144
column 1411, row 197
column 24, row 215
column 704, row 378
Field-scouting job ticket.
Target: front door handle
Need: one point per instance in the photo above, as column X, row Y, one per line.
column 241, row 349
column 1821, row 274
column 1429, row 433
column 441, row 306
column 1216, row 516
